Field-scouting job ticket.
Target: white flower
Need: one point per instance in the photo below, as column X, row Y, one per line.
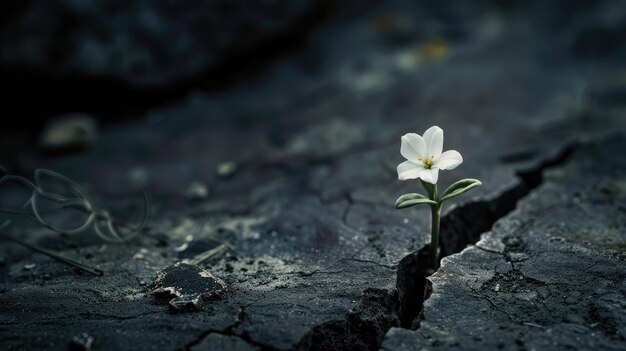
column 424, row 156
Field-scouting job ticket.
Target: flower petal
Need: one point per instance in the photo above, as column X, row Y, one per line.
column 429, row 175
column 433, row 137
column 448, row 160
column 408, row 170
column 412, row 147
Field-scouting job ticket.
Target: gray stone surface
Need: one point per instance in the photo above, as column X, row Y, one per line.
column 219, row 342
column 308, row 208
column 551, row 275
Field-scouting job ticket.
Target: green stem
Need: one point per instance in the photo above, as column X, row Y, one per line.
column 434, row 227
column 435, row 222
column 434, row 234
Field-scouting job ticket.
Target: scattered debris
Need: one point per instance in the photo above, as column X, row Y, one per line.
column 141, row 254
column 218, row 250
column 82, row 342
column 185, row 245
column 434, row 50
column 197, row 191
column 226, row 169
column 187, row 286
column 69, row 133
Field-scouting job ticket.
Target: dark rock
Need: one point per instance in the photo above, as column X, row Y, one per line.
column 186, row 286
column 564, row 294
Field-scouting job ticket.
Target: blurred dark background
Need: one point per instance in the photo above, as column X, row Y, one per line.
column 116, row 60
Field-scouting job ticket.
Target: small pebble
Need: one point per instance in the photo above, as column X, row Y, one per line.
column 29, row 266
column 226, row 169
column 184, row 246
column 81, row 342
column 141, row 254
column 71, row 131
column 197, row 191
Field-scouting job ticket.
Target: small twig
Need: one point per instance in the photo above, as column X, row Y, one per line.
column 48, row 253
column 218, row 250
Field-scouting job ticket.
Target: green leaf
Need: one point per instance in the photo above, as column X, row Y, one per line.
column 459, row 188
column 408, row 200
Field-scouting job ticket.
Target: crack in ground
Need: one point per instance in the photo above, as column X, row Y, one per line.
column 378, row 310
column 463, row 226
column 364, row 327
column 230, row 331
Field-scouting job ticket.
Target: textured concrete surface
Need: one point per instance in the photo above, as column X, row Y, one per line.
column 308, row 207
column 550, row 275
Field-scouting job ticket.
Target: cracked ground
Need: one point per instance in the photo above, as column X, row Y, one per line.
column 297, row 158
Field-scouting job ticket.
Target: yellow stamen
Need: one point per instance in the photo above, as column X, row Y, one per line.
column 419, row 158
column 427, row 163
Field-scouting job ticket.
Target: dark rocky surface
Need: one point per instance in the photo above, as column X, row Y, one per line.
column 550, row 275
column 308, row 205
column 143, row 43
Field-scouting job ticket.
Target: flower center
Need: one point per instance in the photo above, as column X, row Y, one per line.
column 428, row 163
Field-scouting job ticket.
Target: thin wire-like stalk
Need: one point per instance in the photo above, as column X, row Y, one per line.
column 54, row 255
column 81, row 202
